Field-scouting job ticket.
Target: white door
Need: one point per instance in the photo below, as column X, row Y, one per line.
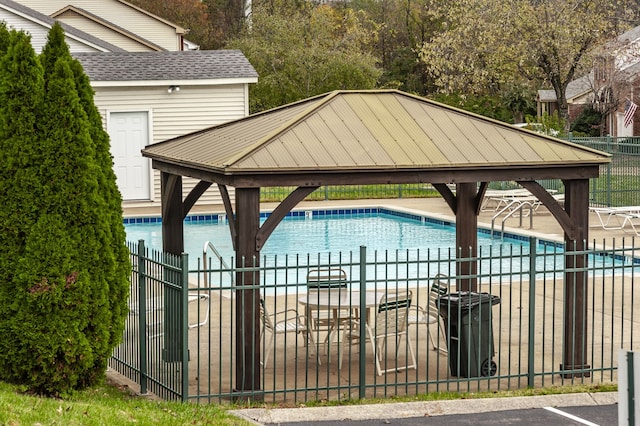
column 129, row 133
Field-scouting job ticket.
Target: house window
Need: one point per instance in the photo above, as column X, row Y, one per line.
column 600, row 69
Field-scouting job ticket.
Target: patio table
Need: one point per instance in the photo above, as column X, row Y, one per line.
column 335, row 301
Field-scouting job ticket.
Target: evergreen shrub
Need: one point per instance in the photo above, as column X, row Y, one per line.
column 65, row 266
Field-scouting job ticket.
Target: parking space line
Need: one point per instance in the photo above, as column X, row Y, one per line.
column 570, row 416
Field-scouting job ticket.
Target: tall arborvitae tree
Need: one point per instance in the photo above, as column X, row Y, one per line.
column 55, row 48
column 117, row 267
column 4, row 38
column 114, row 264
column 58, row 330
column 70, row 284
column 21, row 94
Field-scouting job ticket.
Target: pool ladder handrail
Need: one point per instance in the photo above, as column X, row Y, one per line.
column 512, row 211
column 209, row 245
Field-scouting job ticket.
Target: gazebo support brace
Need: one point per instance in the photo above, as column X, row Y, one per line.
column 280, row 212
column 193, row 196
column 231, row 218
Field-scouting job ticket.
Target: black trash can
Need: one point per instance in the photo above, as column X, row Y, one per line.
column 469, row 332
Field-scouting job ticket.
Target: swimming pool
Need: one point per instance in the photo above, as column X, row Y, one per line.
column 411, row 238
column 320, row 231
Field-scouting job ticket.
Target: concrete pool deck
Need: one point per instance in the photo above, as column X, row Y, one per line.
column 544, row 226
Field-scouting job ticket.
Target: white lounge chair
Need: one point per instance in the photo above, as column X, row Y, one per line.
column 629, row 218
column 612, row 218
column 513, row 199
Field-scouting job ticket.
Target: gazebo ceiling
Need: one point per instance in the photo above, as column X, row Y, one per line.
column 374, row 136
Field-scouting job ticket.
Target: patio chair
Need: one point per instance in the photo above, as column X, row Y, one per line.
column 333, row 283
column 290, row 322
column 429, row 315
column 200, row 297
column 390, row 322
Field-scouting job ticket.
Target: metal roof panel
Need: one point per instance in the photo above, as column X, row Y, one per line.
column 367, row 130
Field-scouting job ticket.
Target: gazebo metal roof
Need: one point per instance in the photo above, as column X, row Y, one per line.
column 350, row 132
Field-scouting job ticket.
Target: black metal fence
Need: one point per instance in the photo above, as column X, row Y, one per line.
column 182, row 336
column 619, row 180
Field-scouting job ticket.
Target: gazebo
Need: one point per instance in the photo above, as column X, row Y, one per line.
column 373, row 137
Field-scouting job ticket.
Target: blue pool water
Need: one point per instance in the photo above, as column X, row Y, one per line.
column 422, row 245
column 324, row 232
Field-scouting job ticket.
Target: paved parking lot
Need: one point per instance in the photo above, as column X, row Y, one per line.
column 566, row 409
column 566, row 416
column 584, row 415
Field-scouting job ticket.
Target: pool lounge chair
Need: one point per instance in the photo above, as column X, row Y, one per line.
column 494, row 199
column 613, row 218
column 630, row 218
column 513, row 199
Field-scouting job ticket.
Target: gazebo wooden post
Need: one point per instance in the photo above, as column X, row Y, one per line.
column 466, row 235
column 575, row 280
column 248, row 300
column 172, row 242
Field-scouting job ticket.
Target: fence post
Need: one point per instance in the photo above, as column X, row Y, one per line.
column 627, row 376
column 609, row 185
column 184, row 270
column 631, row 391
column 142, row 316
column 362, row 379
column 533, row 244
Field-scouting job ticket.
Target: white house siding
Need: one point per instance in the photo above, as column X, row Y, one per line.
column 127, row 17
column 39, row 32
column 98, row 30
column 190, row 110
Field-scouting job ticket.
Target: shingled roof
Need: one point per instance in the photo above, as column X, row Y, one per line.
column 368, row 131
column 166, row 66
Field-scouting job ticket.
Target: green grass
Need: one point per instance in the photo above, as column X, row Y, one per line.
column 616, row 190
column 105, row 405
column 353, row 192
column 608, row 190
column 111, row 404
column 441, row 396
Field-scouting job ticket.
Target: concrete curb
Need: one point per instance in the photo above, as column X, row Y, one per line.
column 421, row 409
